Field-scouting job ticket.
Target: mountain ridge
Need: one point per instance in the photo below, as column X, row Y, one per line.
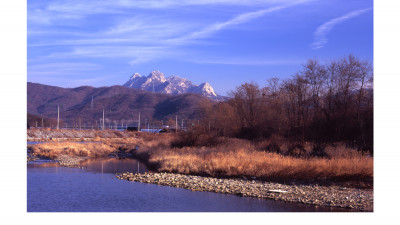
column 156, row 82
column 119, row 103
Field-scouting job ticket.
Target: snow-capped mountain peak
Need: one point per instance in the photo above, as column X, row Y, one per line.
column 156, row 81
column 157, row 75
column 206, row 87
column 175, row 78
column 136, row 75
column 179, row 81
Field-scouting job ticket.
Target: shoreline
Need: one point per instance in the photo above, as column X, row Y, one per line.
column 65, row 139
column 330, row 196
column 319, row 193
column 62, row 160
column 311, row 194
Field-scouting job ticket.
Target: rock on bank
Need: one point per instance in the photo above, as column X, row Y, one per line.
column 333, row 196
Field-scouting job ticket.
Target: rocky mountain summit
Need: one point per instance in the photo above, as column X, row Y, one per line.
column 156, row 82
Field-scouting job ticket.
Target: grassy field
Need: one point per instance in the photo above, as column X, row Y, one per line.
column 228, row 158
column 54, row 149
column 100, row 147
column 238, row 158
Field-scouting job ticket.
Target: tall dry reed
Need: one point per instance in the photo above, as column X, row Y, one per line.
column 54, row 149
column 241, row 158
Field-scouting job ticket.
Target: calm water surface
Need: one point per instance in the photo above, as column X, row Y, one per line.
column 96, row 189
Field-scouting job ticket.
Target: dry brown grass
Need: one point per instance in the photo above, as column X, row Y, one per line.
column 238, row 158
column 53, row 149
column 63, row 133
column 230, row 157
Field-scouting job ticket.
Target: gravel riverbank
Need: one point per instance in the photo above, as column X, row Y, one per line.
column 333, row 196
column 69, row 161
column 77, row 135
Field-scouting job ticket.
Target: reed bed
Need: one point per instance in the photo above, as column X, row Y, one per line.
column 238, row 158
column 229, row 157
column 54, row 149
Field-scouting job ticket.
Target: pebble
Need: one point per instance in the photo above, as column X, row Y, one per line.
column 69, row 161
column 333, row 196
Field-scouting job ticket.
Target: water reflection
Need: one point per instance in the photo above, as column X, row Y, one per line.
column 101, row 165
column 51, row 188
column 42, row 164
column 113, row 165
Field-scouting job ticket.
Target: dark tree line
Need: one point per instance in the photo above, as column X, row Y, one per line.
column 321, row 103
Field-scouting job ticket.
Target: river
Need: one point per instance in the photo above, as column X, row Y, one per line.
column 94, row 188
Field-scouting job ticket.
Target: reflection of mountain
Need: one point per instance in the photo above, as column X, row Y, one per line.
column 119, row 103
column 156, row 82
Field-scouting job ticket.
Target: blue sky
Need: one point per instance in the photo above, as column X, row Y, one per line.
column 223, row 42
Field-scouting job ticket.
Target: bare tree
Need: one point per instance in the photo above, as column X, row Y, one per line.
column 315, row 75
column 297, row 105
column 225, row 121
column 331, row 89
column 249, row 100
column 273, row 87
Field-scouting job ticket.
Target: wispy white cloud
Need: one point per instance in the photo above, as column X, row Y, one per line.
column 90, row 41
column 89, row 7
column 54, row 32
column 150, row 30
column 40, row 16
column 66, row 66
column 116, row 51
column 153, row 30
column 239, row 19
column 142, row 38
column 176, row 3
column 76, row 9
column 136, row 54
column 248, row 62
column 57, row 72
column 321, row 32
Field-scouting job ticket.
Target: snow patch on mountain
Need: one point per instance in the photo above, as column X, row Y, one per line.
column 157, row 82
column 205, row 89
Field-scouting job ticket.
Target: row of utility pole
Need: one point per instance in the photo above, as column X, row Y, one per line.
column 103, row 125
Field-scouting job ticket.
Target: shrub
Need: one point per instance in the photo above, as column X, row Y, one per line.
column 191, row 139
column 273, row 147
column 319, row 151
column 297, row 150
